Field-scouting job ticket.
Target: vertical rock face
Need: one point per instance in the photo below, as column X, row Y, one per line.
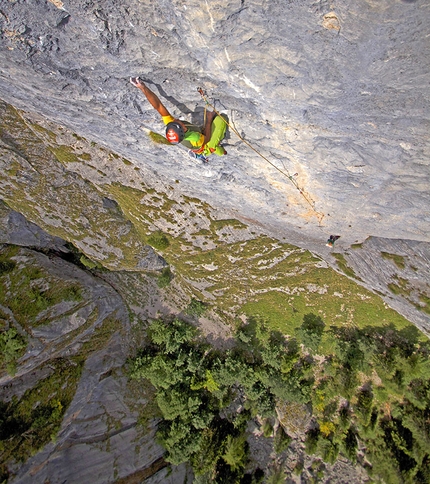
column 17, row 230
column 335, row 93
column 333, row 99
column 85, row 341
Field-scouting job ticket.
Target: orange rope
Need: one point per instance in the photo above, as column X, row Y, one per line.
column 308, row 199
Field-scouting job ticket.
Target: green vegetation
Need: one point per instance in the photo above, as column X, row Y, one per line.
column 280, row 290
column 371, row 389
column 376, row 370
column 7, row 266
column 158, row 138
column 46, row 133
column 28, row 291
column 400, row 287
column 71, row 210
column 397, row 259
column 28, row 424
column 64, row 154
column 101, row 335
column 218, row 225
column 344, row 267
column 88, row 263
column 164, row 278
column 276, row 476
column 158, row 240
column 12, row 347
column 196, row 308
column 193, row 383
column 425, row 300
column 281, row 441
column 259, row 276
column 84, row 156
column 276, row 281
column 311, row 331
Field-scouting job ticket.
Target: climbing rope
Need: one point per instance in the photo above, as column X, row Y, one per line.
column 307, row 198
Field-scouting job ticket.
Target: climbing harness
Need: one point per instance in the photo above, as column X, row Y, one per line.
column 307, row 198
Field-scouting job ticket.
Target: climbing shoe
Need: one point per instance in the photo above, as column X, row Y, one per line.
column 199, row 157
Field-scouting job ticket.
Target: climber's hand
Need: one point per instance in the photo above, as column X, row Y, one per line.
column 136, row 82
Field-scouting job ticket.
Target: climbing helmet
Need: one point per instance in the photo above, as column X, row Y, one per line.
column 174, row 132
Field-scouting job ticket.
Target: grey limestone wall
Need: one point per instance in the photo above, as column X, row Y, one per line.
column 337, row 93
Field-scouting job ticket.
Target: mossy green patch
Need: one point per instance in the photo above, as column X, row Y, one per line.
column 426, row 303
column 168, row 205
column 397, row 259
column 158, row 240
column 233, row 223
column 343, row 265
column 84, row 156
column 400, row 287
column 64, row 154
column 203, row 232
column 88, row 263
column 130, row 200
column 12, row 171
column 158, row 138
column 45, row 132
column 192, row 200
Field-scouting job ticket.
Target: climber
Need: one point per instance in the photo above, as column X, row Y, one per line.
column 332, row 240
column 201, row 142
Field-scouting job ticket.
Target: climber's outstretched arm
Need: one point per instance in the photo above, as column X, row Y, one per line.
column 152, row 98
